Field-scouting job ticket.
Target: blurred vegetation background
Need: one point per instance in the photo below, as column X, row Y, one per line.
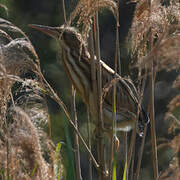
column 45, row 12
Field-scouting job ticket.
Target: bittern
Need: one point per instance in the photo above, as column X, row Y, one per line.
column 77, row 65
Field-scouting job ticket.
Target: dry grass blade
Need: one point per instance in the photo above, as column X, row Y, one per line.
column 8, row 26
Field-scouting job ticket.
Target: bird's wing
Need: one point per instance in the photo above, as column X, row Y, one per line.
column 126, row 92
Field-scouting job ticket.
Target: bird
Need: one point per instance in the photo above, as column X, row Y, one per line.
column 77, row 65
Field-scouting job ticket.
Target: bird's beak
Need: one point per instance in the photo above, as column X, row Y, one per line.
column 51, row 31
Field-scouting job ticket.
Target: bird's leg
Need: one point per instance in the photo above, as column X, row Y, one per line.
column 108, row 143
column 116, row 142
column 105, row 145
column 111, row 145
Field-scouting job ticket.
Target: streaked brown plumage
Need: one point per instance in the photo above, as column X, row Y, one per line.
column 76, row 61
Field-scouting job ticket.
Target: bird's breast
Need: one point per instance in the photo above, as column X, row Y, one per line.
column 125, row 120
column 78, row 72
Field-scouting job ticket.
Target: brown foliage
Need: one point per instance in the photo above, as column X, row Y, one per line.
column 161, row 23
column 23, row 111
column 86, row 9
column 173, row 171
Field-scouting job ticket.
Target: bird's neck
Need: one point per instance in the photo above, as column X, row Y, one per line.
column 78, row 71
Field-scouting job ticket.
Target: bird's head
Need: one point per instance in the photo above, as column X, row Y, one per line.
column 54, row 32
column 67, row 36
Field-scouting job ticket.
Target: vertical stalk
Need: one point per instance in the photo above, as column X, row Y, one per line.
column 117, row 64
column 131, row 170
column 125, row 148
column 141, row 91
column 74, row 117
column 76, row 139
column 114, row 130
column 93, row 68
column 94, row 86
column 89, row 144
column 5, row 120
column 132, row 146
column 100, row 119
column 152, row 113
column 64, row 11
column 152, row 122
column 140, row 155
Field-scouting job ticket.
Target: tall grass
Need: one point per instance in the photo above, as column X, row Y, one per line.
column 27, row 151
